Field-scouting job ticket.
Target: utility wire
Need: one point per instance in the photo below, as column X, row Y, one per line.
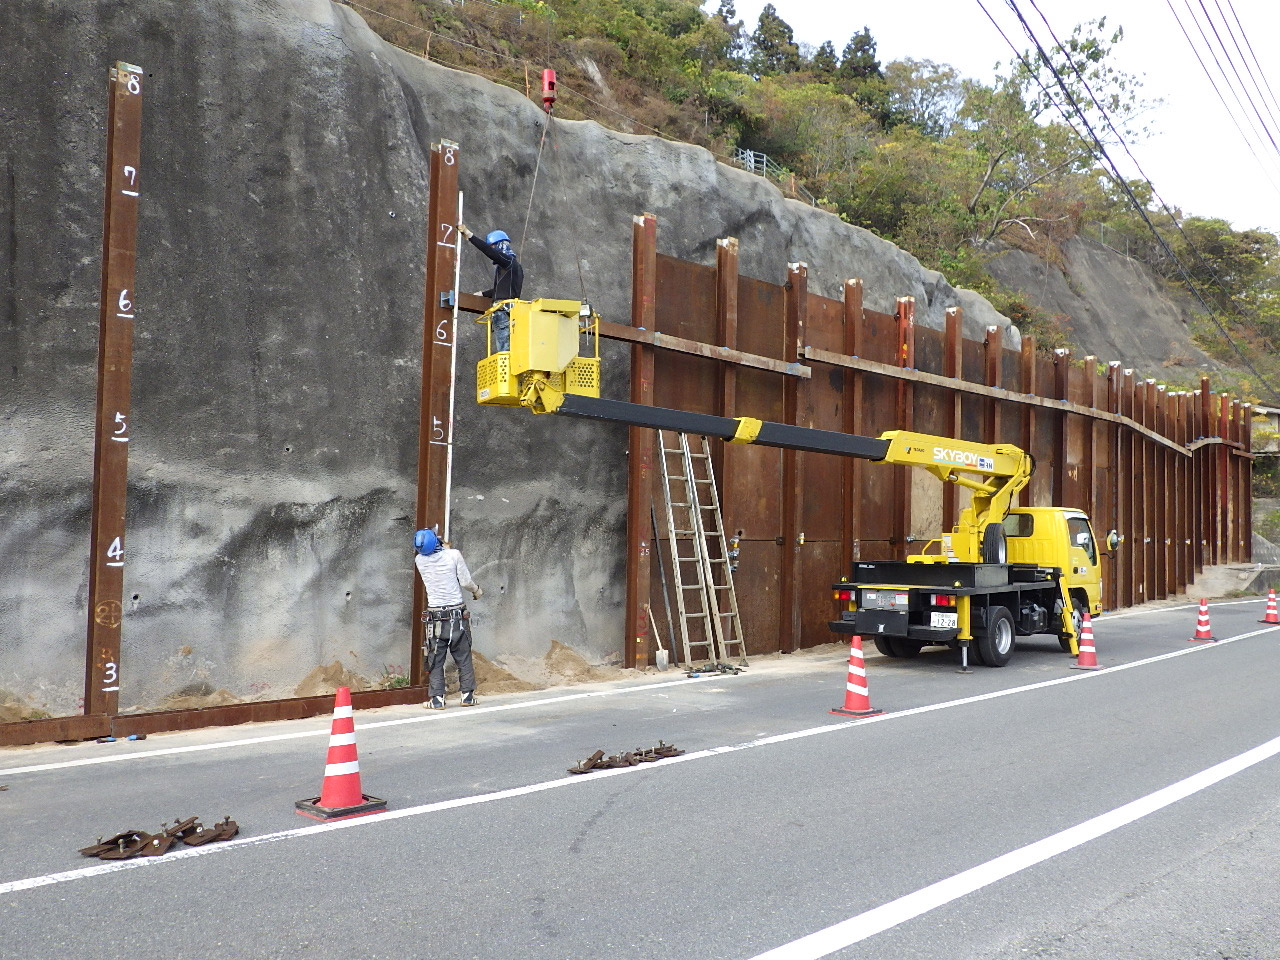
column 1262, row 72
column 1225, row 106
column 1173, row 218
column 1236, row 70
column 1096, row 142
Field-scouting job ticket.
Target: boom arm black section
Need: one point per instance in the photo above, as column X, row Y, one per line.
column 726, row 428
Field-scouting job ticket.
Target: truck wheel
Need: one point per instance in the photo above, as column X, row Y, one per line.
column 907, row 649
column 995, row 548
column 995, row 643
column 885, row 646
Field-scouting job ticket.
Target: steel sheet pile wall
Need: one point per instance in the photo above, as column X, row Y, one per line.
column 1170, row 471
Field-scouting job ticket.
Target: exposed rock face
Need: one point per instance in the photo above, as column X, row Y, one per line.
column 276, row 366
column 1116, row 309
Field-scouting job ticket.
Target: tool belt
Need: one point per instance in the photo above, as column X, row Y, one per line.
column 444, row 623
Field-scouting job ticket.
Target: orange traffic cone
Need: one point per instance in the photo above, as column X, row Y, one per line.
column 857, row 703
column 1203, row 634
column 1088, row 658
column 1271, row 616
column 340, row 795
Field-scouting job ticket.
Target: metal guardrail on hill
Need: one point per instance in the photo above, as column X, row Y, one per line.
column 759, row 163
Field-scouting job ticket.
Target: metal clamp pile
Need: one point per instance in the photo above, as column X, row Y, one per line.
column 598, row 761
column 136, row 843
column 711, row 669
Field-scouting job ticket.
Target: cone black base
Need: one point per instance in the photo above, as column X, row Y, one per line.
column 311, row 808
column 855, row 713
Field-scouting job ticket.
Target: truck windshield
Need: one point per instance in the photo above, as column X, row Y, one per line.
column 1082, row 537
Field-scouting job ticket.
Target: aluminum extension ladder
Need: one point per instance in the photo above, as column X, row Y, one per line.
column 705, row 597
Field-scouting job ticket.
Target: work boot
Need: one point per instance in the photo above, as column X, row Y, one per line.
column 469, row 699
column 435, row 703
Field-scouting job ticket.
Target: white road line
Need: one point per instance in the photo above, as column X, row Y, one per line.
column 865, row 925
column 475, row 711
column 14, row 886
column 273, row 738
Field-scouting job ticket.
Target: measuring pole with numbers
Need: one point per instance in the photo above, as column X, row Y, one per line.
column 435, row 431
column 115, row 363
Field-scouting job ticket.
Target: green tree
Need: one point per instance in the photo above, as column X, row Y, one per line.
column 858, row 61
column 825, row 63
column 924, row 94
column 773, row 46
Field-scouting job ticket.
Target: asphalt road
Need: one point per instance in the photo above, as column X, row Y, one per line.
column 1032, row 811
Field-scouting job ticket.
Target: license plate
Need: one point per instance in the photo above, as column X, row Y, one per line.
column 944, row 620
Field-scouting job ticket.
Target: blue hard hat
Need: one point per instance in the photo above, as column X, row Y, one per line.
column 426, row 542
column 495, row 236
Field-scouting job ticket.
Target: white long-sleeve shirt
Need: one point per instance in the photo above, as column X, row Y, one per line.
column 445, row 575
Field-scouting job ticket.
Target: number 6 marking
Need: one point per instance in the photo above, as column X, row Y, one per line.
column 125, row 304
column 442, row 334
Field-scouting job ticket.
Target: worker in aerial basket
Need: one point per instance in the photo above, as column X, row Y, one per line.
column 448, row 621
column 508, row 280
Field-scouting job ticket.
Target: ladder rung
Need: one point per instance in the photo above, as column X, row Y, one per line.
column 702, row 480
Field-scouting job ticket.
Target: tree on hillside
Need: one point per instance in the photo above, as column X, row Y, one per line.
column 825, row 63
column 858, row 62
column 773, row 46
column 1014, row 130
column 924, row 94
column 734, row 51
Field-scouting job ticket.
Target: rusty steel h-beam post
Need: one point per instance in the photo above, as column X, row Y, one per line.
column 435, row 425
column 953, row 366
column 641, row 443
column 905, row 317
column 854, row 320
column 796, row 315
column 117, row 309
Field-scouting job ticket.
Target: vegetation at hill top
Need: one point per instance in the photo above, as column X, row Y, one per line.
column 945, row 166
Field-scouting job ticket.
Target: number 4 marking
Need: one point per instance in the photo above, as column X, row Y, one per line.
column 116, row 553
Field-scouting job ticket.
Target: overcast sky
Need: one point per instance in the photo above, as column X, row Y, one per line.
column 1197, row 158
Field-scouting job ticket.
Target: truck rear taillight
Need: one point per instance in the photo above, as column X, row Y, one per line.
column 844, row 594
column 943, row 600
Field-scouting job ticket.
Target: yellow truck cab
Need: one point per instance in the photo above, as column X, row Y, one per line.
column 1062, row 538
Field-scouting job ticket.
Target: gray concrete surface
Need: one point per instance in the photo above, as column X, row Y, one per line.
column 276, row 364
column 725, row 855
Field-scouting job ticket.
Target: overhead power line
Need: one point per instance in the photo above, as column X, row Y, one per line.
column 1096, row 146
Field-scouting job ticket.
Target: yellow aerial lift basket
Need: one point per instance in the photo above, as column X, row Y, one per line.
column 543, row 360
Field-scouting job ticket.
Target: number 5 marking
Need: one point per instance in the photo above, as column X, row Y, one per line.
column 121, row 434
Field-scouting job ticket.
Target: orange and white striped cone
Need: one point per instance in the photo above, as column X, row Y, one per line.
column 1271, row 616
column 857, row 702
column 340, row 794
column 1088, row 657
column 1203, row 633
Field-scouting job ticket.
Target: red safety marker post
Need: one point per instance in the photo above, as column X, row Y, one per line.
column 857, row 701
column 1203, row 633
column 341, row 796
column 548, row 89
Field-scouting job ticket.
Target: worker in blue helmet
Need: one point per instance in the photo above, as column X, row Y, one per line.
column 448, row 622
column 508, row 280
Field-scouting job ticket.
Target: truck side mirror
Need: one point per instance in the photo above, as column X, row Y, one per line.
column 1113, row 541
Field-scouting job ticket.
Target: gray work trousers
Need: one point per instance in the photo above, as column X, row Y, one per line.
column 448, row 632
column 501, row 323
